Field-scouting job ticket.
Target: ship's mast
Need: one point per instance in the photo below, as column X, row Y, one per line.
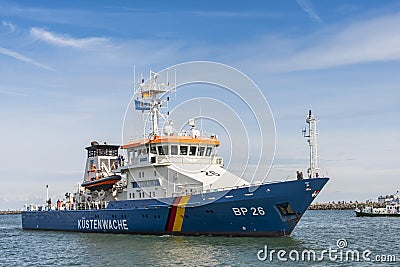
column 154, row 118
column 150, row 101
column 313, row 144
column 152, row 93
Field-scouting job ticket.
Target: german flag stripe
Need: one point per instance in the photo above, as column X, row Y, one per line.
column 172, row 214
column 177, row 214
column 180, row 214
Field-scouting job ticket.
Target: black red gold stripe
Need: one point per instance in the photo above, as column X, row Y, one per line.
column 177, row 214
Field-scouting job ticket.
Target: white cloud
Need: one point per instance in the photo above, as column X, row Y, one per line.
column 23, row 58
column 9, row 25
column 307, row 7
column 65, row 40
column 373, row 40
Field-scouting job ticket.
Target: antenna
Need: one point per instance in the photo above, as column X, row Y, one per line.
column 313, row 144
column 47, row 193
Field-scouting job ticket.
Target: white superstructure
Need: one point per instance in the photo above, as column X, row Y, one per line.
column 167, row 163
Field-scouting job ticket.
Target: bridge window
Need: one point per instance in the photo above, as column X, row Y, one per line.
column 208, row 151
column 200, row 152
column 131, row 157
column 149, row 183
column 192, row 150
column 174, row 150
column 163, row 150
column 183, row 150
column 103, row 152
column 92, row 153
column 153, row 150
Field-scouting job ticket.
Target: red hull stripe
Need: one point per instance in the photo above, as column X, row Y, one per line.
column 172, row 214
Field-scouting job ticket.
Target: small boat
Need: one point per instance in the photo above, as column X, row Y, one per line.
column 391, row 209
column 104, row 183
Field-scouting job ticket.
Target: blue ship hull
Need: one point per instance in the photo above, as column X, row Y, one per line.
column 267, row 210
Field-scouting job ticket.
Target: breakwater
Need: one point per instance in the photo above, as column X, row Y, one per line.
column 344, row 205
column 3, row 212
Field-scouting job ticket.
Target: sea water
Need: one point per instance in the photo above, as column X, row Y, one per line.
column 329, row 234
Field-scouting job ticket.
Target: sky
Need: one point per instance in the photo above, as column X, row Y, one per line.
column 66, row 75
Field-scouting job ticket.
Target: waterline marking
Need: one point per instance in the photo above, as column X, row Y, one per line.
column 340, row 253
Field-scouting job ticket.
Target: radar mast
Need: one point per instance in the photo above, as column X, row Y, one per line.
column 149, row 99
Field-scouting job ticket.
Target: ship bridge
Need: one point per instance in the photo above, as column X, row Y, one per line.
column 172, row 165
column 173, row 149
